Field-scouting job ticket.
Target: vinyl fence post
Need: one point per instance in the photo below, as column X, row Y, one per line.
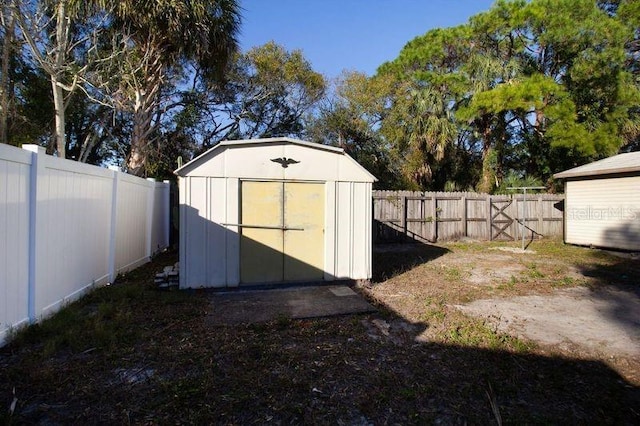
column 150, row 214
column 35, row 171
column 166, row 204
column 113, row 230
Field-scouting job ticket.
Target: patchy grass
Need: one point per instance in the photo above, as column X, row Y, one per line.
column 468, row 271
column 130, row 354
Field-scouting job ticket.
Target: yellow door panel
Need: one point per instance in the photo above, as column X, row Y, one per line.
column 262, row 203
column 304, row 231
column 261, row 249
column 282, row 232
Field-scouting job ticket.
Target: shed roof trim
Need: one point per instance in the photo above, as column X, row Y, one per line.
column 622, row 163
column 202, row 158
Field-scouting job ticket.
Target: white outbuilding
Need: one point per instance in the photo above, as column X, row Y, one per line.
column 602, row 203
column 273, row 211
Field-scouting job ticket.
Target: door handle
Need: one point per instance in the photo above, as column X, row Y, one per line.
column 280, row 228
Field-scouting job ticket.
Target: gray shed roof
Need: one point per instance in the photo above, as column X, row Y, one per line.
column 621, row 163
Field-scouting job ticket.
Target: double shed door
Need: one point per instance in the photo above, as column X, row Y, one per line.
column 282, row 231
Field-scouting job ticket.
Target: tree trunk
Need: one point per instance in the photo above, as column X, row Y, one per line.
column 5, row 79
column 488, row 159
column 58, row 103
column 87, row 146
column 137, row 157
column 142, row 129
column 146, row 102
column 501, row 140
column 62, row 39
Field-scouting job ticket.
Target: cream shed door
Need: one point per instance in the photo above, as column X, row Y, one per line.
column 261, row 244
column 282, row 231
column 304, row 231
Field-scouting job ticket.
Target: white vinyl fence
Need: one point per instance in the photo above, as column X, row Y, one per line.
column 66, row 227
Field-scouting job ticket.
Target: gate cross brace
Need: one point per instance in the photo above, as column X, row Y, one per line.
column 501, row 229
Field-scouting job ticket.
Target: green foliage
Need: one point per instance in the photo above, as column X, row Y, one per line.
column 351, row 119
column 527, row 94
column 180, row 30
column 272, row 89
column 514, row 180
column 525, row 89
column 533, row 87
column 423, row 131
column 33, row 116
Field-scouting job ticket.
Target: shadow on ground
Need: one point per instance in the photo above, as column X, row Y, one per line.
column 259, row 305
column 131, row 354
column 617, row 285
column 390, row 260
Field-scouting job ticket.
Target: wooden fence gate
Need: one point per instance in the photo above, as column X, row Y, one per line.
column 500, row 220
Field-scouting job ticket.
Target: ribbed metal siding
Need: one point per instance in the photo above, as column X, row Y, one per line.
column 604, row 212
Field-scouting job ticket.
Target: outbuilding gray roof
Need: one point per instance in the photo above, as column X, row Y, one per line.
column 622, row 163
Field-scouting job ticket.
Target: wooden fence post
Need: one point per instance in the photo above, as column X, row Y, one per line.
column 463, row 199
column 403, row 218
column 540, row 210
column 434, row 215
column 489, row 213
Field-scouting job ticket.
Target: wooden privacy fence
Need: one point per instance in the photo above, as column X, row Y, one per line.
column 441, row 216
column 66, row 227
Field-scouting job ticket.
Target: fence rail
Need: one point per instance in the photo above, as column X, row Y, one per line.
column 66, row 227
column 440, row 216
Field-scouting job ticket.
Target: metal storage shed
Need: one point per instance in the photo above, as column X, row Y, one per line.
column 271, row 211
column 602, row 203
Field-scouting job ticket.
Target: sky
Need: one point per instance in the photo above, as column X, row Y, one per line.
column 354, row 35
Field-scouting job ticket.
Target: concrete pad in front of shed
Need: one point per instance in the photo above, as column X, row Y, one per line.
column 250, row 306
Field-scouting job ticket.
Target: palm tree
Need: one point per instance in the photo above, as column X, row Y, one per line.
column 423, row 128
column 485, row 72
column 160, row 36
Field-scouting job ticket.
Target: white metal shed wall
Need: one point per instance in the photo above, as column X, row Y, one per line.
column 603, row 212
column 210, row 252
column 352, row 244
column 210, row 191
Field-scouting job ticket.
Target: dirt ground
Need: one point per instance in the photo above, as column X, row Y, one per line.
column 464, row 333
column 562, row 299
column 606, row 322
